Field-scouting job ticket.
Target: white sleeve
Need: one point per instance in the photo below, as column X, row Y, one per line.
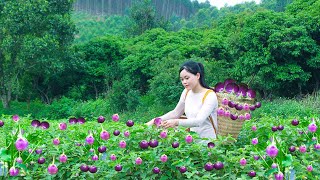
column 178, row 110
column 210, row 105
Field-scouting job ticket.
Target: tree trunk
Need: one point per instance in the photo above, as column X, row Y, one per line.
column 43, row 93
column 300, row 91
column 5, row 103
column 315, row 75
column 163, row 8
column 102, row 7
column 6, row 98
column 109, row 7
column 28, row 103
column 5, row 93
column 44, row 96
column 167, row 9
column 96, row 90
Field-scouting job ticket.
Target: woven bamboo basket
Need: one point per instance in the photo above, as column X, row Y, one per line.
column 226, row 125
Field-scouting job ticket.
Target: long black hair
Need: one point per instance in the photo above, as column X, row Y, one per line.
column 194, row 68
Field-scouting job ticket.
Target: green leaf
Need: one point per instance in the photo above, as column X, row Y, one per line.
column 164, row 177
column 288, row 160
column 271, row 171
column 4, row 156
column 189, row 174
column 3, row 151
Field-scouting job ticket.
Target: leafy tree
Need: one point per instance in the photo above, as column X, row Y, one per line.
column 276, row 5
column 308, row 15
column 275, row 51
column 91, row 26
column 203, row 18
column 99, row 65
column 269, row 4
column 122, row 96
column 246, row 6
column 165, row 86
column 143, row 17
column 214, row 45
column 34, row 40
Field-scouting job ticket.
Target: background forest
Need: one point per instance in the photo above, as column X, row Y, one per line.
column 91, row 57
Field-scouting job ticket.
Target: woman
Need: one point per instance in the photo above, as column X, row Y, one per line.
column 198, row 101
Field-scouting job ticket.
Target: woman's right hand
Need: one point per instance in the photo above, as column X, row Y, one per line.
column 150, row 123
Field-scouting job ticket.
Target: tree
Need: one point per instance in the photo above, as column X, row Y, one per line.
column 308, row 15
column 99, row 65
column 275, row 51
column 34, row 41
column 143, row 17
column 276, row 5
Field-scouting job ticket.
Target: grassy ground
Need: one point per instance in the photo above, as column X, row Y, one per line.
column 65, row 108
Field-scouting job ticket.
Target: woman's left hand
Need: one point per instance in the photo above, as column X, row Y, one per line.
column 170, row 123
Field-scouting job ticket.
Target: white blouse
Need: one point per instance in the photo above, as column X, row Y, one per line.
column 196, row 112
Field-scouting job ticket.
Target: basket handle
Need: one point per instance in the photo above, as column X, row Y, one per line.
column 210, row 118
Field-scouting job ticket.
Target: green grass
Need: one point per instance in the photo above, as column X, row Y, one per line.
column 65, row 108
column 282, row 107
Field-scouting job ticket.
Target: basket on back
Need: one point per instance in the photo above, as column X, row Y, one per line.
column 236, row 101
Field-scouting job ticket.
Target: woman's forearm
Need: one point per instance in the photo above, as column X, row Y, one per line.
column 171, row 115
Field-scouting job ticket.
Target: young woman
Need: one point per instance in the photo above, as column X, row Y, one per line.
column 198, row 101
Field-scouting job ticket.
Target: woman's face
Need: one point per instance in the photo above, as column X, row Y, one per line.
column 189, row 80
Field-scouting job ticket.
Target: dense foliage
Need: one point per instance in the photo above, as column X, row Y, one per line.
column 35, row 41
column 275, row 51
